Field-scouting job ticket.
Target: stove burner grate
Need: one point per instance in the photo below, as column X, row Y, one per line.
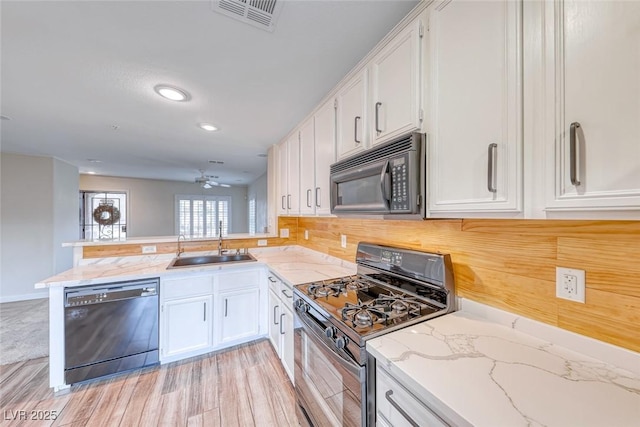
column 400, row 303
column 364, row 314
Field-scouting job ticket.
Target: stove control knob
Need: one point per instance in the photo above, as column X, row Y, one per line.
column 330, row 332
column 302, row 306
column 341, row 342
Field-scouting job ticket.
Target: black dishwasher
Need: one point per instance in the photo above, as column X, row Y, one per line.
column 110, row 328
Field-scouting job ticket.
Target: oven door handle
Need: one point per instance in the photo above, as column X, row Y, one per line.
column 349, row 365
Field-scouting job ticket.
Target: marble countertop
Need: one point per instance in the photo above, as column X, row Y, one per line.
column 163, row 239
column 485, row 367
column 294, row 264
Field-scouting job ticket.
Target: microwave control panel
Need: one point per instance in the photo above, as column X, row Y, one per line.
column 400, row 186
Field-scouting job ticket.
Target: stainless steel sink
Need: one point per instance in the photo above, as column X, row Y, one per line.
column 195, row 261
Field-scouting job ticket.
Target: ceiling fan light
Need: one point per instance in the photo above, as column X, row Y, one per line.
column 225, row 185
column 172, row 93
column 206, row 185
column 208, row 127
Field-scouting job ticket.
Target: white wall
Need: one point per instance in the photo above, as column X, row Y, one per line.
column 258, row 189
column 38, row 211
column 151, row 210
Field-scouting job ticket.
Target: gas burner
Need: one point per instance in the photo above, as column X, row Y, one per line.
column 364, row 314
column 325, row 289
column 355, row 284
column 399, row 303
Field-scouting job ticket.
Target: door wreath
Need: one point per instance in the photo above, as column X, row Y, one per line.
column 106, row 214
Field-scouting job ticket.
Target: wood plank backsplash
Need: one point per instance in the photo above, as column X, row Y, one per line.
column 510, row 264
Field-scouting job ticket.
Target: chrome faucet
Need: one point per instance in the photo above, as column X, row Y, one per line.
column 180, row 250
column 220, row 239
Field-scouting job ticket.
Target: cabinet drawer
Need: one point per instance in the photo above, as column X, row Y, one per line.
column 274, row 283
column 285, row 293
column 396, row 405
column 229, row 281
column 186, row 286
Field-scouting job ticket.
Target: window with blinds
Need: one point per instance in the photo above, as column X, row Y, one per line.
column 200, row 216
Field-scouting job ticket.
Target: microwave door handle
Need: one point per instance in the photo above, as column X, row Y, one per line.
column 385, row 181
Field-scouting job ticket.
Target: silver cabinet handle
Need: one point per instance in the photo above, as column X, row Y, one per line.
column 284, row 291
column 491, row 167
column 574, row 153
column 275, row 307
column 317, row 197
column 272, row 280
column 283, row 202
column 309, row 198
column 205, row 312
column 355, row 130
column 288, row 201
column 225, row 306
column 378, row 105
column 393, row 403
column 281, row 331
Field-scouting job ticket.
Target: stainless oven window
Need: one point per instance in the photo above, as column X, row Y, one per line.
column 329, row 390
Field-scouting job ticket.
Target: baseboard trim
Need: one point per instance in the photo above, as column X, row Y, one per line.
column 24, row 297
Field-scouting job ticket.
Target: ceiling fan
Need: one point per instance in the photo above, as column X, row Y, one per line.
column 207, row 181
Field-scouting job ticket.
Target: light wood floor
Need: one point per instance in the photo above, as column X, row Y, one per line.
column 242, row 386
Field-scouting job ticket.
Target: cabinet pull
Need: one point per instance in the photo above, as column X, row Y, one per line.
column 393, row 403
column 317, row 197
column 378, row 105
column 225, row 306
column 288, row 201
column 281, row 331
column 492, row 155
column 574, row 154
column 284, row 291
column 275, row 307
column 205, row 313
column 309, row 198
column 283, row 202
column 355, row 130
column 272, row 280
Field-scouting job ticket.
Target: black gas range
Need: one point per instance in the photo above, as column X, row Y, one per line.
column 393, row 288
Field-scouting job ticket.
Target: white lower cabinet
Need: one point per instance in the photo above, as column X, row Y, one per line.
column 205, row 312
column 397, row 407
column 238, row 314
column 189, row 325
column 281, row 322
column 186, row 316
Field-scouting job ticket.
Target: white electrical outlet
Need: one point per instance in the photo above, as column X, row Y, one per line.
column 306, row 234
column 343, row 240
column 284, row 232
column 262, row 242
column 149, row 249
column 570, row 284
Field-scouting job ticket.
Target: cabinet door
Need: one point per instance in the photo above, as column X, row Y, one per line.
column 351, row 116
column 287, row 356
column 395, row 84
column 593, row 63
column 307, row 168
column 293, row 174
column 187, row 325
column 476, row 76
column 275, row 307
column 282, row 178
column 239, row 314
column 325, row 154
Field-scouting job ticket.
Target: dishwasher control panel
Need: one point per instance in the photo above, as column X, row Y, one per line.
column 74, row 297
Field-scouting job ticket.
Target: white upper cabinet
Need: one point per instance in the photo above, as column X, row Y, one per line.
column 592, row 105
column 351, row 116
column 396, row 84
column 475, row 132
column 307, row 168
column 325, row 155
column 289, row 173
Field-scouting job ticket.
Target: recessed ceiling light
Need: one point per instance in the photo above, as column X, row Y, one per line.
column 207, row 127
column 172, row 93
column 91, row 173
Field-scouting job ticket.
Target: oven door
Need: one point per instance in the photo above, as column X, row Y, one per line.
column 364, row 189
column 330, row 389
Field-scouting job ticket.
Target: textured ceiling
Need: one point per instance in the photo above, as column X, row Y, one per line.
column 77, row 80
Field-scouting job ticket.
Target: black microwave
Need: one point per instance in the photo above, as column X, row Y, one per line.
column 385, row 180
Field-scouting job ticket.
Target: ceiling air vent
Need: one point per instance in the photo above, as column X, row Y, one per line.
column 259, row 13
